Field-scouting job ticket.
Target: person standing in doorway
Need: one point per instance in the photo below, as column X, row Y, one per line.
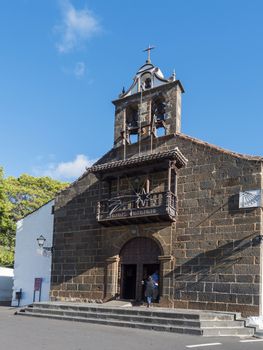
column 155, row 277
column 149, row 290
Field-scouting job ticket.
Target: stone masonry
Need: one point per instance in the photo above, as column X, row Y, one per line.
column 212, row 251
column 209, row 256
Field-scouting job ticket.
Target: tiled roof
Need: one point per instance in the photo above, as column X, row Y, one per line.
column 174, row 154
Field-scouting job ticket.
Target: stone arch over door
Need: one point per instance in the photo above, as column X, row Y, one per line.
column 138, row 257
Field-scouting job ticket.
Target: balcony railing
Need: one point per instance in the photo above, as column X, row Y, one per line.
column 139, row 208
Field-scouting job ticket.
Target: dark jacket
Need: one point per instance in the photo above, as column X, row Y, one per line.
column 149, row 288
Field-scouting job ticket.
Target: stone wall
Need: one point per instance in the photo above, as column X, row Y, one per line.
column 78, row 264
column 210, row 255
column 216, row 245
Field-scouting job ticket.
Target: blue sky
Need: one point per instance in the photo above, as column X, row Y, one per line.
column 63, row 62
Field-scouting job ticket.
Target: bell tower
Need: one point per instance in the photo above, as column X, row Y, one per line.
column 151, row 107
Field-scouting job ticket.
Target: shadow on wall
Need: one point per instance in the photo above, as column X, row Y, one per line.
column 215, row 261
column 219, row 265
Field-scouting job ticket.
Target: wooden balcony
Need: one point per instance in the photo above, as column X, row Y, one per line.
column 133, row 209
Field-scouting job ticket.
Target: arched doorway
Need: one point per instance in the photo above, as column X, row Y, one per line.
column 138, row 260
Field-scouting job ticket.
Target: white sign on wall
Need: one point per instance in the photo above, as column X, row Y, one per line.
column 250, row 199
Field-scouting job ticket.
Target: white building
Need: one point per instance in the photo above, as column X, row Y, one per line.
column 32, row 269
column 6, row 283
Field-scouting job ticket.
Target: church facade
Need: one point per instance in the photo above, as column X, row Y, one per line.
column 161, row 202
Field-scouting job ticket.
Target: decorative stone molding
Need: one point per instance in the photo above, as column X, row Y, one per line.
column 165, row 258
column 112, row 276
column 113, row 259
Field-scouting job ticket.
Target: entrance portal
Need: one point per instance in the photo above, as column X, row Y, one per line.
column 138, row 260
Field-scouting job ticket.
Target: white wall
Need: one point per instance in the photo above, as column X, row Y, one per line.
column 30, row 262
column 6, row 284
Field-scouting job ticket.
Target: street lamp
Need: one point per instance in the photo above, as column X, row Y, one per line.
column 41, row 241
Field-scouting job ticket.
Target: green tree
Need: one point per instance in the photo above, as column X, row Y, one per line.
column 27, row 193
column 18, row 198
column 7, row 226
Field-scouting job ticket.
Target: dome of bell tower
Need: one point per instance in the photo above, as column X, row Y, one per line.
column 147, row 77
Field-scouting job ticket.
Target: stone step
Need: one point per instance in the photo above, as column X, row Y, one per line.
column 144, row 317
column 153, row 312
column 156, row 327
column 229, row 331
column 169, row 320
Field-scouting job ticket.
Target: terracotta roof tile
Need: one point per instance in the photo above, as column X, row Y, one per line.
column 174, row 154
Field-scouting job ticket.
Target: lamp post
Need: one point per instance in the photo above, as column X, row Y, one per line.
column 41, row 241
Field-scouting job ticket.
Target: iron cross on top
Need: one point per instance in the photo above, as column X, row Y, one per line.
column 149, row 53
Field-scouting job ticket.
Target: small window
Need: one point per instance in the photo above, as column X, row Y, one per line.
column 148, row 83
column 132, row 127
column 159, row 110
column 132, row 117
column 160, row 131
column 133, row 138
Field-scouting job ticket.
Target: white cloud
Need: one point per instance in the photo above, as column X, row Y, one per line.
column 66, row 171
column 80, row 69
column 76, row 27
